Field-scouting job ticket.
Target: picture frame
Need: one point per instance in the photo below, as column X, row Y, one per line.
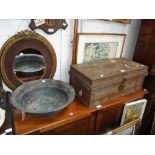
column 98, row 46
column 133, row 110
column 123, row 21
column 131, row 128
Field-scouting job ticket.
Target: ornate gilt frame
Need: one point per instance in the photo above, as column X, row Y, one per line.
column 135, row 124
column 18, row 37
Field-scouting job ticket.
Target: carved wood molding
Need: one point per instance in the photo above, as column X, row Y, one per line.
column 50, row 26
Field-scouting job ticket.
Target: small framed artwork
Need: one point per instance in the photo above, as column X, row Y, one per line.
column 131, row 128
column 97, row 46
column 133, row 110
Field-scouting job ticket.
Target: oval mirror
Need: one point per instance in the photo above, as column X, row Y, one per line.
column 27, row 56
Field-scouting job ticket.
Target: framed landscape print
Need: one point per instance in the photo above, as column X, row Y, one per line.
column 97, row 46
column 131, row 128
column 133, row 110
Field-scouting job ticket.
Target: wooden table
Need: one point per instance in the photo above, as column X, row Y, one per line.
column 76, row 118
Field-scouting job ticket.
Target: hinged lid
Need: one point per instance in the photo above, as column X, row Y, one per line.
column 108, row 69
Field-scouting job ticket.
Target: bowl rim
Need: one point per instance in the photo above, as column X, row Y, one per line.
column 29, row 55
column 20, row 88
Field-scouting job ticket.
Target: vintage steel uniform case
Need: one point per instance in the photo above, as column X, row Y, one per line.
column 102, row 81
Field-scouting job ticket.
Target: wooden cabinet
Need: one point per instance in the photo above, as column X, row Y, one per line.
column 150, row 107
column 107, row 120
column 109, row 116
column 145, row 48
column 145, row 54
column 83, row 126
column 76, row 119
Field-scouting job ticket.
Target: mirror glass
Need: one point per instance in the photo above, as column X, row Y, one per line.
column 28, row 65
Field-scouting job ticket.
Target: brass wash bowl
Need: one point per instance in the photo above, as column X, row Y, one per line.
column 43, row 97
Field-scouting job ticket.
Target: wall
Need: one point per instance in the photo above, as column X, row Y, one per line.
column 62, row 40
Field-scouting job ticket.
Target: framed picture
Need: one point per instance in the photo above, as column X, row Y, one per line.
column 124, row 21
column 133, row 110
column 131, row 128
column 97, row 46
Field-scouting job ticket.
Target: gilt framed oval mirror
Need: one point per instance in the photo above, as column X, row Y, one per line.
column 27, row 56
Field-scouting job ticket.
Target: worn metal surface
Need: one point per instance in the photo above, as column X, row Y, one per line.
column 99, row 82
column 43, row 96
column 29, row 65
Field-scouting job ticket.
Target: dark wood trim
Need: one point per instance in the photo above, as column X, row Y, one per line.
column 76, row 23
column 54, row 24
column 153, row 126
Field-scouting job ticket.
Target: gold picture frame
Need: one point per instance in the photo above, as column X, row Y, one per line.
column 131, row 128
column 133, row 110
column 124, row 21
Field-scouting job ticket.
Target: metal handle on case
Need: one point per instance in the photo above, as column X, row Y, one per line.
column 122, row 85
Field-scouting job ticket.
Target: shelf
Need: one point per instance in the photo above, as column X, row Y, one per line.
column 76, row 111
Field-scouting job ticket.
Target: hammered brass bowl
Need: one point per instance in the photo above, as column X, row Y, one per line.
column 43, row 97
